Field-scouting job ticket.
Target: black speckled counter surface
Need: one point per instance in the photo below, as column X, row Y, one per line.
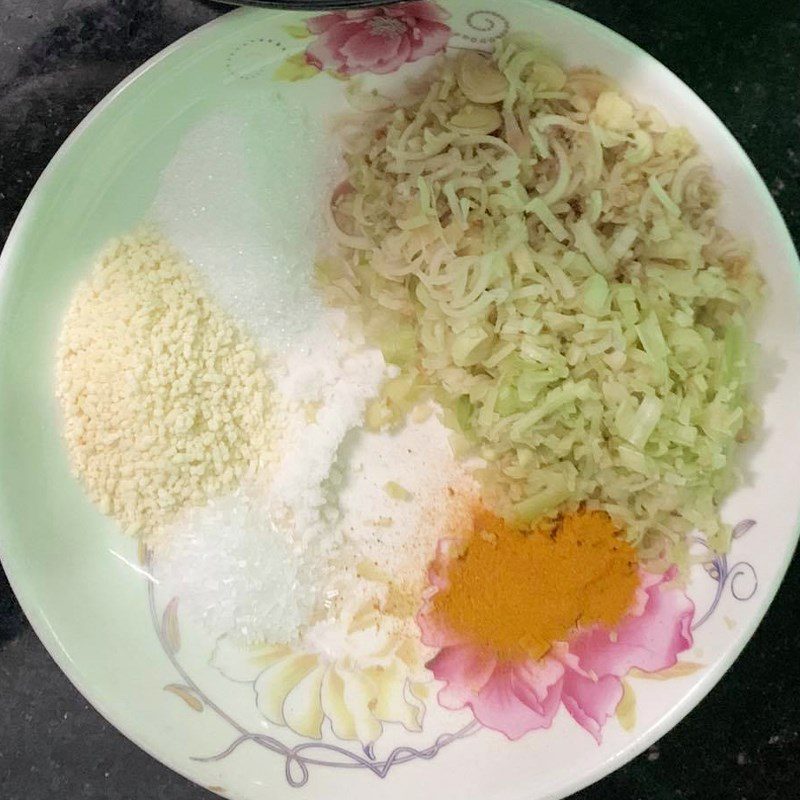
column 59, row 57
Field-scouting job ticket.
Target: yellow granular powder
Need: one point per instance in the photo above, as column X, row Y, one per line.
column 165, row 399
column 517, row 591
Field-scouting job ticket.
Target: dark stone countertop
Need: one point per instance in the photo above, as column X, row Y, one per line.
column 59, row 57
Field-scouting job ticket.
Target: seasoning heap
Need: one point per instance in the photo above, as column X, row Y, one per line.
column 263, row 500
column 315, row 537
column 517, row 590
column 264, row 556
column 165, row 398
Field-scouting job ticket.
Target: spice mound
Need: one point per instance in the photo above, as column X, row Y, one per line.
column 165, row 399
column 517, row 591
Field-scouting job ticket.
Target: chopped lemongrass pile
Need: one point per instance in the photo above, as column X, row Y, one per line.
column 542, row 256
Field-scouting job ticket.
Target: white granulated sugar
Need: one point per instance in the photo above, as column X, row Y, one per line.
column 258, row 563
column 235, row 572
column 242, row 199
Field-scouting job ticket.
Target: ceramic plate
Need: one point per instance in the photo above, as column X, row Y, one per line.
column 225, row 110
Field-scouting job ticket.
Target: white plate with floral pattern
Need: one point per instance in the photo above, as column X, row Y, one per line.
column 203, row 709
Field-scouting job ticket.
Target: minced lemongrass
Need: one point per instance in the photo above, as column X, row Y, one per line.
column 396, row 491
column 562, row 288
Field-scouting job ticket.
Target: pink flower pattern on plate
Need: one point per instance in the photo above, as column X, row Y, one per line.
column 378, row 40
column 584, row 673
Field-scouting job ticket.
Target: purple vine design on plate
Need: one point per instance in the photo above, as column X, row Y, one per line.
column 295, row 759
column 300, row 757
column 726, row 574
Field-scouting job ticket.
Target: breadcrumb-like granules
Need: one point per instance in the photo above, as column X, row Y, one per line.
column 165, row 398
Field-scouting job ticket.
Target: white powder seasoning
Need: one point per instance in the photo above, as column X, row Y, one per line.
column 396, row 532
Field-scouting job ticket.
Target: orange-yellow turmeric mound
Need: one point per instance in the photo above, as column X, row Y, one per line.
column 517, row 591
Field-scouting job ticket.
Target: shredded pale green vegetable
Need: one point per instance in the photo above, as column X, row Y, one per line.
column 556, row 279
column 396, row 491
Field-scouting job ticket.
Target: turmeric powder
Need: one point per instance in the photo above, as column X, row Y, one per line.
column 517, row 591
